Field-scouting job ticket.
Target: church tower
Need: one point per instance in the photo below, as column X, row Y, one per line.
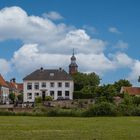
column 73, row 67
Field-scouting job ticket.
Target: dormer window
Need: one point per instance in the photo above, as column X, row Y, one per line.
column 51, row 74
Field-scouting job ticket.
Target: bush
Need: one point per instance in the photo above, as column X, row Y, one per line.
column 101, row 109
column 12, row 97
column 48, row 98
column 125, row 110
column 81, row 95
column 136, row 111
column 38, row 100
column 64, row 113
column 20, row 97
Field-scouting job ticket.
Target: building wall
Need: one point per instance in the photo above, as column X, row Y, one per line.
column 47, row 89
column 4, row 94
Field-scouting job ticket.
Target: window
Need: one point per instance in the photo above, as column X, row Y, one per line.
column 43, row 84
column 29, row 86
column 36, row 94
column 59, row 93
column 67, row 93
column 59, row 84
column 52, row 84
column 67, row 84
column 36, row 86
column 29, row 95
column 52, row 93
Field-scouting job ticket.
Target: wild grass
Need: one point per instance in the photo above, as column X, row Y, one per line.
column 69, row 128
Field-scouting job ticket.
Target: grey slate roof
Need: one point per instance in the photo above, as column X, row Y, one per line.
column 48, row 74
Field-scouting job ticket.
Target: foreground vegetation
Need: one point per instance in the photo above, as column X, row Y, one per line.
column 46, row 128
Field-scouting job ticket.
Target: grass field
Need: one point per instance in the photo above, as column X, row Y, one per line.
column 45, row 128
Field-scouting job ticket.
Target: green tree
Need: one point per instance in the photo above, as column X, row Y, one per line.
column 12, row 97
column 105, row 92
column 87, row 82
column 20, row 97
column 121, row 83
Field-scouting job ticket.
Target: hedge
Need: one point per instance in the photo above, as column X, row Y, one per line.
column 80, row 95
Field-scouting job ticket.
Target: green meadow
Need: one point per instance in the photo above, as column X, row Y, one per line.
column 69, row 128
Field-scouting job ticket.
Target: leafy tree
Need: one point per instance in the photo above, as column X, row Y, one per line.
column 121, row 83
column 87, row 82
column 136, row 100
column 106, row 92
column 12, row 97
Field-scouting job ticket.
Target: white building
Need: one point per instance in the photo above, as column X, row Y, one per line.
column 46, row 82
column 4, row 91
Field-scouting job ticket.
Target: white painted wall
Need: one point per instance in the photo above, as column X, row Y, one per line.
column 5, row 93
column 48, row 89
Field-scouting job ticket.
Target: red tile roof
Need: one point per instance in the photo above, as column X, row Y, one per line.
column 2, row 81
column 20, row 86
column 131, row 90
column 11, row 85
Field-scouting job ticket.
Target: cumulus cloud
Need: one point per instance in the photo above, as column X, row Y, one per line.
column 90, row 29
column 4, row 66
column 53, row 15
column 135, row 71
column 114, row 30
column 50, row 45
column 121, row 45
column 53, row 38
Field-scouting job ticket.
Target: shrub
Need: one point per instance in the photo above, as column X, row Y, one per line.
column 136, row 100
column 101, row 109
column 20, row 97
column 125, row 110
column 38, row 100
column 12, row 97
column 48, row 98
column 81, row 95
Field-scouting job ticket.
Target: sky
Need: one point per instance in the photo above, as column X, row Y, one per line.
column 43, row 33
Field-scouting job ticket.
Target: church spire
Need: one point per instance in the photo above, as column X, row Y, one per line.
column 73, row 67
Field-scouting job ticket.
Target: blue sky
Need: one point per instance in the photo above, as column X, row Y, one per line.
column 105, row 35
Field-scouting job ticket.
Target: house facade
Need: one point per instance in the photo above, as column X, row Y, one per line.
column 56, row 83
column 4, row 90
column 16, row 88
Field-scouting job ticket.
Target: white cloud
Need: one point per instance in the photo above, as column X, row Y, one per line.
column 114, row 30
column 53, row 15
column 121, row 60
column 90, row 29
column 59, row 38
column 121, row 45
column 48, row 44
column 135, row 71
column 4, row 66
column 31, row 58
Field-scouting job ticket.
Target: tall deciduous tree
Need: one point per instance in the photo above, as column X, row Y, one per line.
column 121, row 83
column 86, row 81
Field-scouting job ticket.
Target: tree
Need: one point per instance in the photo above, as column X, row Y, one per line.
column 121, row 83
column 85, row 81
column 105, row 92
column 12, row 97
column 20, row 97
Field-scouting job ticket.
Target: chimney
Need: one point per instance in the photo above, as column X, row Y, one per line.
column 41, row 69
column 14, row 80
column 60, row 69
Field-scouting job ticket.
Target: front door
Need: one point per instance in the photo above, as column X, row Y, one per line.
column 43, row 95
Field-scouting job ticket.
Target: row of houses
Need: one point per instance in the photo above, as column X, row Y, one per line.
column 7, row 87
column 56, row 83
